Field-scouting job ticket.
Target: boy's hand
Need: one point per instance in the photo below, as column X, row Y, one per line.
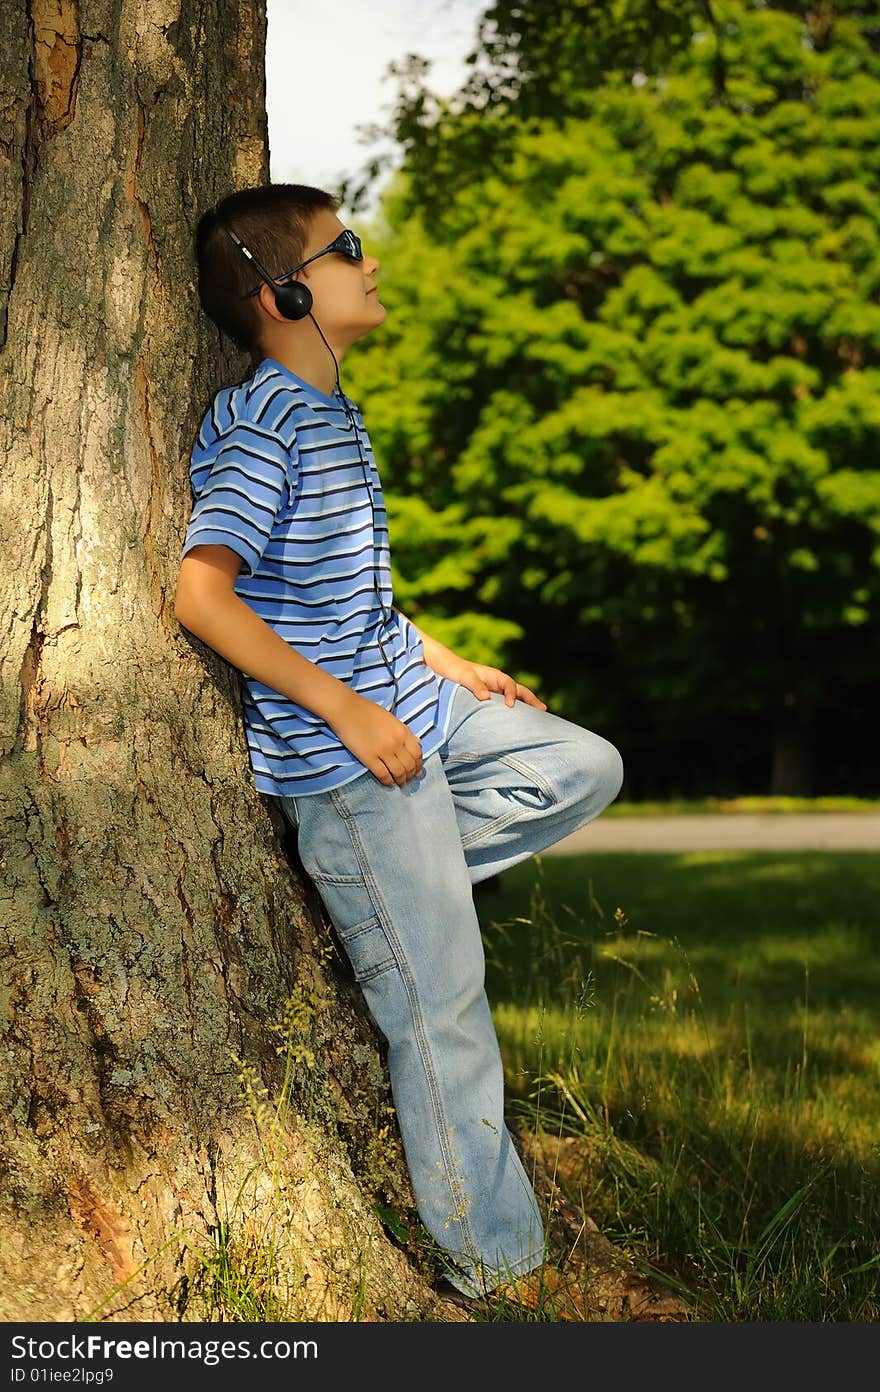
column 382, row 743
column 482, row 680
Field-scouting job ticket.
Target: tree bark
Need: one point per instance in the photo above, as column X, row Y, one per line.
column 168, row 982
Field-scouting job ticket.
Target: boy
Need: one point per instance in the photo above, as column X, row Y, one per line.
column 410, row 773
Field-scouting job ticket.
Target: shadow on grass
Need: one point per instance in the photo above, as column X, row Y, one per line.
column 701, row 1027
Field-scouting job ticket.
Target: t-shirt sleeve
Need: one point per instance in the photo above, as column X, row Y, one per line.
column 240, row 487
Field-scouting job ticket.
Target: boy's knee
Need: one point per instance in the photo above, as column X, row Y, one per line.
column 604, row 769
column 615, row 772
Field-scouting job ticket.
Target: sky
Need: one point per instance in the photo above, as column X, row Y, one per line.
column 347, row 46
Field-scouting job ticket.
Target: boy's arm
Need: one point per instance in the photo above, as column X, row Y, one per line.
column 435, row 652
column 206, row 604
column 477, row 677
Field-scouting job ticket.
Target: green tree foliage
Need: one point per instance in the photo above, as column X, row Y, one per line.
column 626, row 398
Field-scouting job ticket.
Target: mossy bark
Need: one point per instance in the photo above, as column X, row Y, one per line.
column 167, row 977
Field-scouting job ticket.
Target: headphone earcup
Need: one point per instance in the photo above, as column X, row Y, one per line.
column 293, row 301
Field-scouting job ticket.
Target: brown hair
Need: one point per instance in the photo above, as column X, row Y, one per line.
column 273, row 221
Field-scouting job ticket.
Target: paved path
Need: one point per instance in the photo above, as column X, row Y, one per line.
column 764, row 831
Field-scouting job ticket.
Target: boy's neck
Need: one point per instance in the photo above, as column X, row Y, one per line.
column 316, row 367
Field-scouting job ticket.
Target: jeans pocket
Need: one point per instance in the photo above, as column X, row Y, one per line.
column 358, row 926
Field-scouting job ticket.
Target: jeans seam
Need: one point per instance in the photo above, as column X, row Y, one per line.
column 337, row 879
column 489, row 830
column 421, row 1039
column 507, row 817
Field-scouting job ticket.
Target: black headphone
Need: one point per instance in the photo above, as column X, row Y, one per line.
column 294, row 301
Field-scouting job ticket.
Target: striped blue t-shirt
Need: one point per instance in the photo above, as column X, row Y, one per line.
column 276, row 476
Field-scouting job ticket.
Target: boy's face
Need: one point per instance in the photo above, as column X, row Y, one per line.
column 345, row 303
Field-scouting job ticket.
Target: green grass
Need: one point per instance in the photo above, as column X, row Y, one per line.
column 673, row 807
column 706, row 1025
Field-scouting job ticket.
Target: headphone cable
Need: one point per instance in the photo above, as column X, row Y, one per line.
column 353, row 424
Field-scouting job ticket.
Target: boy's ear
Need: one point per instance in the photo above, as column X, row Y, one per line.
column 267, row 300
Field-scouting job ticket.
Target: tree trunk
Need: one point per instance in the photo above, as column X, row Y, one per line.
column 167, row 979
column 791, row 773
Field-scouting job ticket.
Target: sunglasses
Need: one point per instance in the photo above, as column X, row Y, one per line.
column 347, row 244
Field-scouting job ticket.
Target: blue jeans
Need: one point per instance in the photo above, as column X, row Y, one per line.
column 395, row 867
